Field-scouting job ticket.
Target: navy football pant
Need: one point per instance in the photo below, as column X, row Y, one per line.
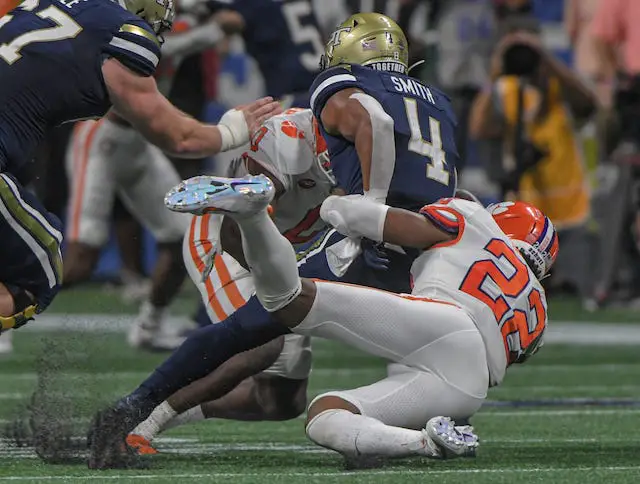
column 252, row 326
column 30, row 239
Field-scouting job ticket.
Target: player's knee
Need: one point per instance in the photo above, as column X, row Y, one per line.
column 329, row 402
column 296, row 311
column 17, row 306
column 6, row 302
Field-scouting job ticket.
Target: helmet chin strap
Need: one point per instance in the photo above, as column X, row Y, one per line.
column 415, row 64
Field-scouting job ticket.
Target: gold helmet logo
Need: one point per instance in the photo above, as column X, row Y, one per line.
column 368, row 39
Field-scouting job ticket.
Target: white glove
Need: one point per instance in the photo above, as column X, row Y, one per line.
column 234, row 130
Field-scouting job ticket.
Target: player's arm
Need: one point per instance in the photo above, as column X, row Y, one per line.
column 357, row 216
column 345, row 110
column 136, row 98
column 190, row 37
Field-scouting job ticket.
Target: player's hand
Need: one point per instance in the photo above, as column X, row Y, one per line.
column 259, row 111
column 374, row 255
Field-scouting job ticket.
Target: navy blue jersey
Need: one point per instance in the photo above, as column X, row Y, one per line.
column 424, row 128
column 284, row 39
column 51, row 53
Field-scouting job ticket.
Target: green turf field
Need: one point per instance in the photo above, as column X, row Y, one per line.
column 550, row 439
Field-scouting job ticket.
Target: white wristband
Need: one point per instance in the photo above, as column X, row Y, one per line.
column 355, row 216
column 234, row 131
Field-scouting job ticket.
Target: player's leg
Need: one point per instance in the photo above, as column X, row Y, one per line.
column 275, row 395
column 30, row 259
column 399, row 416
column 92, row 189
column 249, row 327
column 129, row 239
column 269, row 254
column 442, row 371
column 142, row 186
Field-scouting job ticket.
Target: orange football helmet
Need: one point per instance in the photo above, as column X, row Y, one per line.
column 531, row 232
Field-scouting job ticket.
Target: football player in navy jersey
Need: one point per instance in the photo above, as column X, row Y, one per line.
column 63, row 60
column 389, row 136
column 391, row 140
column 284, row 38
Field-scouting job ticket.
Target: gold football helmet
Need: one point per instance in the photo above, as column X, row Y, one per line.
column 157, row 13
column 368, row 39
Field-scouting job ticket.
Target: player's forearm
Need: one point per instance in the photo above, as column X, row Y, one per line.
column 375, row 144
column 180, row 135
column 197, row 140
column 356, row 216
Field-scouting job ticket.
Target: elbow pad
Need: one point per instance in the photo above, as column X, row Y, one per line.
column 355, row 216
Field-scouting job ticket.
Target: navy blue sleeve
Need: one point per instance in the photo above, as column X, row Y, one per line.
column 136, row 46
column 327, row 83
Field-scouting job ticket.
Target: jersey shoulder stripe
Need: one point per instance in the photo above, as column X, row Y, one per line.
column 136, row 47
column 135, row 30
column 445, row 218
column 327, row 83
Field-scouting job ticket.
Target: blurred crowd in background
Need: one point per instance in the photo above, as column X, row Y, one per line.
column 547, row 94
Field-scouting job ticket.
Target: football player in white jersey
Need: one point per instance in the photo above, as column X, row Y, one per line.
column 477, row 306
column 110, row 157
column 290, row 150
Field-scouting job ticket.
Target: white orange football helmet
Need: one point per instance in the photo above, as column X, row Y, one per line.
column 531, row 232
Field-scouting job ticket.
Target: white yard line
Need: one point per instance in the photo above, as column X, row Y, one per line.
column 560, row 332
column 348, row 475
column 556, row 412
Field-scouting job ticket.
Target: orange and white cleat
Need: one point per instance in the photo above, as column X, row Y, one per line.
column 140, row 445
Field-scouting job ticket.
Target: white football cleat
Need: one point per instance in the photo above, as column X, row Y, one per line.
column 202, row 194
column 6, row 342
column 450, row 440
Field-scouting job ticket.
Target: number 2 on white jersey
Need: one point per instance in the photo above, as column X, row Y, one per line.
column 66, row 28
column 436, row 167
column 300, row 34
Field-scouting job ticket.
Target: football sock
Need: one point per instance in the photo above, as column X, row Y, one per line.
column 156, row 422
column 272, row 260
column 357, row 435
column 190, row 416
column 204, row 351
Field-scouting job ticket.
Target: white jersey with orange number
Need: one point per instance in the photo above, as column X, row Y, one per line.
column 289, row 147
column 481, row 271
column 286, row 146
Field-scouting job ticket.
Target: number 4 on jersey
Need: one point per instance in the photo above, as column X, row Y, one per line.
column 436, row 168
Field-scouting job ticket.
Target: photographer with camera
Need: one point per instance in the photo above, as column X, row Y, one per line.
column 531, row 105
